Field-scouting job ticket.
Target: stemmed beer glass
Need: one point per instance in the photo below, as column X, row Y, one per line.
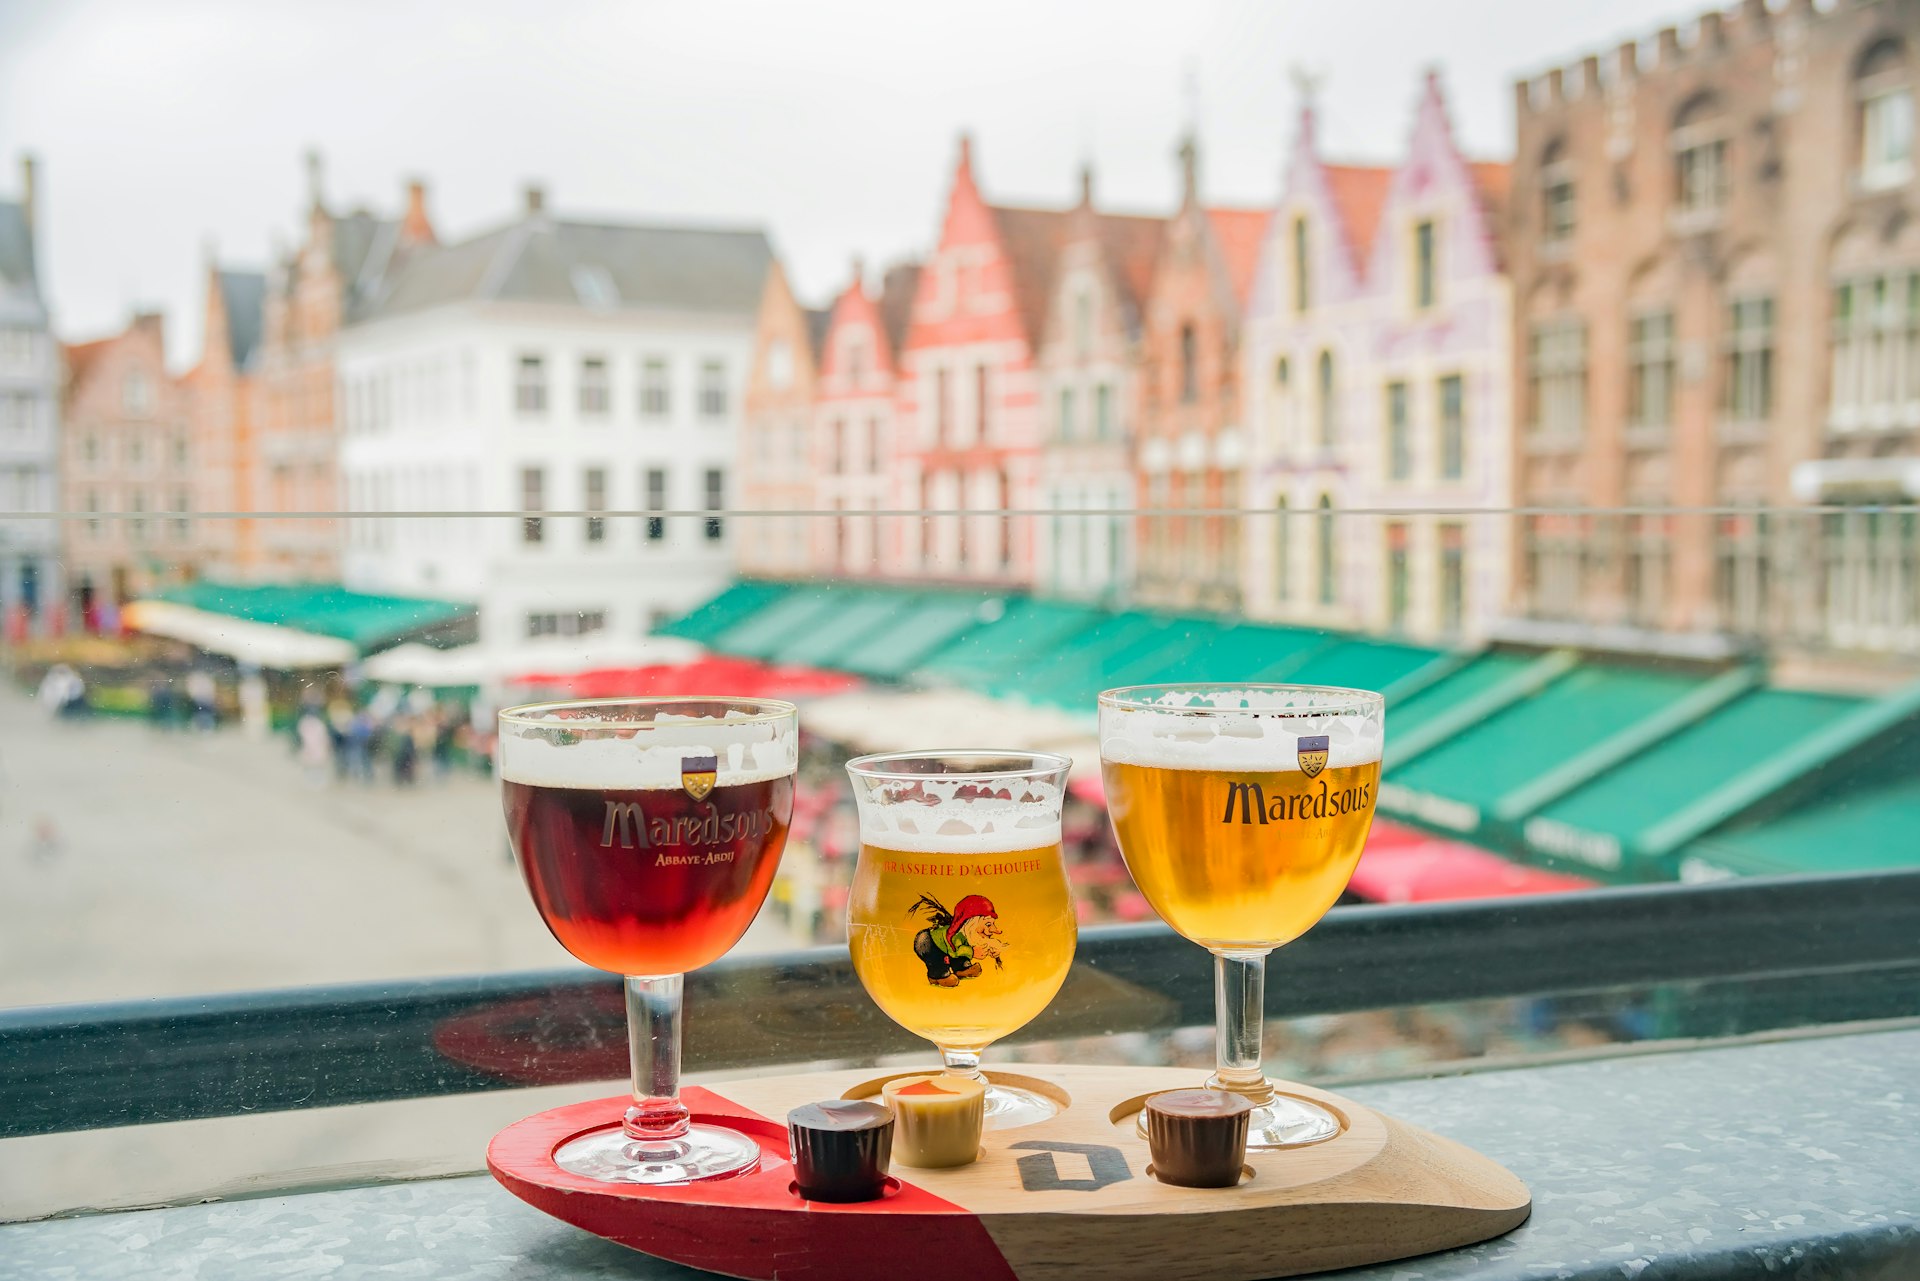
column 648, row 830
column 960, row 923
column 1241, row 811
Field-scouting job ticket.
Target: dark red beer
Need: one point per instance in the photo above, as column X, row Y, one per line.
column 648, row 881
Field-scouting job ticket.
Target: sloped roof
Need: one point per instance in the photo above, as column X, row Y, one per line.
column 16, row 249
column 1132, row 245
column 242, row 293
column 1359, row 194
column 1032, row 238
column 541, row 260
column 897, row 289
column 1238, row 232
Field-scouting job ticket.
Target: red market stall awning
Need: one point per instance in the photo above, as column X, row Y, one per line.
column 1402, row 865
column 733, row 677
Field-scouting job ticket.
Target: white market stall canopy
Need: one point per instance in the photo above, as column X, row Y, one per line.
column 262, row 644
column 905, row 720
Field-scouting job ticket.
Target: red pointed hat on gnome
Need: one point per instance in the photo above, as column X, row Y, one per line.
column 966, row 910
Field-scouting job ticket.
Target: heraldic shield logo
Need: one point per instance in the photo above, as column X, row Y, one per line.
column 1312, row 751
column 697, row 774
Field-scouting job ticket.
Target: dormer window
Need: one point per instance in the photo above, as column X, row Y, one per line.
column 1885, row 97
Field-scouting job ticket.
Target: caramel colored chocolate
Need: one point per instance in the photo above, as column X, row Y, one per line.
column 840, row 1149
column 938, row 1119
column 1198, row 1137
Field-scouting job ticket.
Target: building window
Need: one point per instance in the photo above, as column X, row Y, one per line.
column 1650, row 370
column 1748, row 394
column 533, row 498
column 715, row 483
column 1425, row 280
column 1326, row 560
column 1399, row 433
column 1453, row 427
column 982, row 402
column 1302, row 267
column 655, row 388
column 1189, row 366
column 1557, row 379
column 1876, row 351
column 1556, row 195
column 1398, row 587
column 654, row 483
column 595, row 399
column 1103, row 412
column 1282, row 551
column 1325, row 408
column 1886, row 117
column 713, row 389
column 1700, row 156
column 530, row 386
column 1453, row 578
column 595, row 485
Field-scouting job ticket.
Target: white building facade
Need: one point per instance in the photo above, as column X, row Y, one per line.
column 30, row 578
column 580, row 368
column 1377, row 371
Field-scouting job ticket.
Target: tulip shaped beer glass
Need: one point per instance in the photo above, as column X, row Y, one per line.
column 960, row 923
column 648, row 831
column 1241, row 811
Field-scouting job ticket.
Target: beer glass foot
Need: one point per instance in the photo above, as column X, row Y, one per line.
column 703, row 1152
column 1009, row 1108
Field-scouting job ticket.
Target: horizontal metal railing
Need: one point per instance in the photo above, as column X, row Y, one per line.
column 89, row 1066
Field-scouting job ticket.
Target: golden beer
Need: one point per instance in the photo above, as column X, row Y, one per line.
column 1239, row 859
column 960, row 946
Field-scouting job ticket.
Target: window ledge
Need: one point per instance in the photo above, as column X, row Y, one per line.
column 1616, row 1151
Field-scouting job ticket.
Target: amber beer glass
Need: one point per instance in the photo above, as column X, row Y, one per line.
column 648, row 831
column 1241, row 811
column 960, row 923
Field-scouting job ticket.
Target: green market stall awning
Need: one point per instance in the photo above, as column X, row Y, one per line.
column 1456, row 783
column 1604, row 825
column 367, row 621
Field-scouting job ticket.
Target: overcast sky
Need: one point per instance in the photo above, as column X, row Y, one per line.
column 163, row 126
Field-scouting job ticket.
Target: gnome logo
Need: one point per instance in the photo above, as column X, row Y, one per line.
column 956, row 940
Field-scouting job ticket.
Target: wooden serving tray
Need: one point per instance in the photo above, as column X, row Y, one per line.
column 1070, row 1197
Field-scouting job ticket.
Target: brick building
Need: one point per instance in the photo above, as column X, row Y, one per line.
column 1716, row 268
column 1191, row 448
column 1377, row 348
column 855, row 428
column 969, row 403
column 336, row 274
column 222, row 393
column 774, row 472
column 1090, row 361
column 127, row 447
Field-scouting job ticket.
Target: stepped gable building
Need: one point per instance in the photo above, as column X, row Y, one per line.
column 1377, row 367
column 855, row 427
column 222, row 396
column 969, row 403
column 311, row 294
column 1190, row 447
column 127, row 447
column 31, row 582
column 553, row 364
column 1716, row 267
column 775, row 467
column 1090, row 360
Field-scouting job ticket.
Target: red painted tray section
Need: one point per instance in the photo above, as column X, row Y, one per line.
column 752, row 1224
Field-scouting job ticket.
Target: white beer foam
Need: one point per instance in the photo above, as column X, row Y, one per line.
column 1265, row 739
column 962, row 825
column 745, row 752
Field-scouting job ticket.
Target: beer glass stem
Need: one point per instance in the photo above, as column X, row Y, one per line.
column 653, row 1046
column 1239, row 994
column 962, row 1062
